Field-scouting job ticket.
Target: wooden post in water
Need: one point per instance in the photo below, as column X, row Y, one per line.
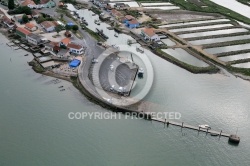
column 207, row 131
column 165, row 123
column 181, row 126
column 220, row 133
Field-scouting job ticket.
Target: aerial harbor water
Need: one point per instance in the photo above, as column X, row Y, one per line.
column 185, row 57
column 36, row 129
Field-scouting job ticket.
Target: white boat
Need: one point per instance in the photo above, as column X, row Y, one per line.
column 141, row 70
column 205, row 126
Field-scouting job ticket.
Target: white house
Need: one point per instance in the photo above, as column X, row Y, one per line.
column 75, row 48
column 49, row 26
column 34, row 39
column 149, row 34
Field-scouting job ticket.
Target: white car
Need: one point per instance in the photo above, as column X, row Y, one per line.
column 205, row 126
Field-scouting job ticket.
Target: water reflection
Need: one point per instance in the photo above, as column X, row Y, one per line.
column 217, row 50
column 210, row 33
column 235, row 57
column 201, row 27
column 194, row 22
column 242, row 65
column 184, row 56
column 218, row 40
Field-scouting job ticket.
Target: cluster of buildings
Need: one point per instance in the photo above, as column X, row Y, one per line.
column 42, row 4
column 109, row 5
column 128, row 20
column 149, row 35
column 31, row 32
column 61, row 49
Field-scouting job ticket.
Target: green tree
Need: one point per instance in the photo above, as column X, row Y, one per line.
column 75, row 27
column 25, row 9
column 67, row 27
column 58, row 28
column 25, row 18
column 61, row 15
column 11, row 4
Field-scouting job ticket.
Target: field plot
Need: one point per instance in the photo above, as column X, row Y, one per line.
column 235, row 57
column 184, row 56
column 157, row 4
column 242, row 65
column 219, row 40
column 211, row 33
column 174, row 16
column 217, row 50
column 194, row 23
column 201, row 27
column 168, row 42
column 163, row 7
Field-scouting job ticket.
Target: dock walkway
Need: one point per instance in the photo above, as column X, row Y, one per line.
column 183, row 125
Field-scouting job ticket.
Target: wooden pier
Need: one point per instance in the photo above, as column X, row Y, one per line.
column 183, row 125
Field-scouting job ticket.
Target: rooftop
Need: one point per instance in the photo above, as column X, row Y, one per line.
column 28, row 2
column 149, row 31
column 129, row 17
column 35, row 36
column 30, row 25
column 75, row 46
column 7, row 20
column 48, row 24
column 44, row 1
column 65, row 41
column 22, row 30
column 133, row 22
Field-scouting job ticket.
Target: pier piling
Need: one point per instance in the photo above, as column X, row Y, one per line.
column 220, row 133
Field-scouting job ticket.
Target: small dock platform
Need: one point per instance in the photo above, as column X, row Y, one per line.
column 183, row 125
column 10, row 44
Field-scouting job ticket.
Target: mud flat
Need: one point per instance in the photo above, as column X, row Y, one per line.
column 201, row 28
column 157, row 4
column 174, row 16
column 163, row 7
column 194, row 23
